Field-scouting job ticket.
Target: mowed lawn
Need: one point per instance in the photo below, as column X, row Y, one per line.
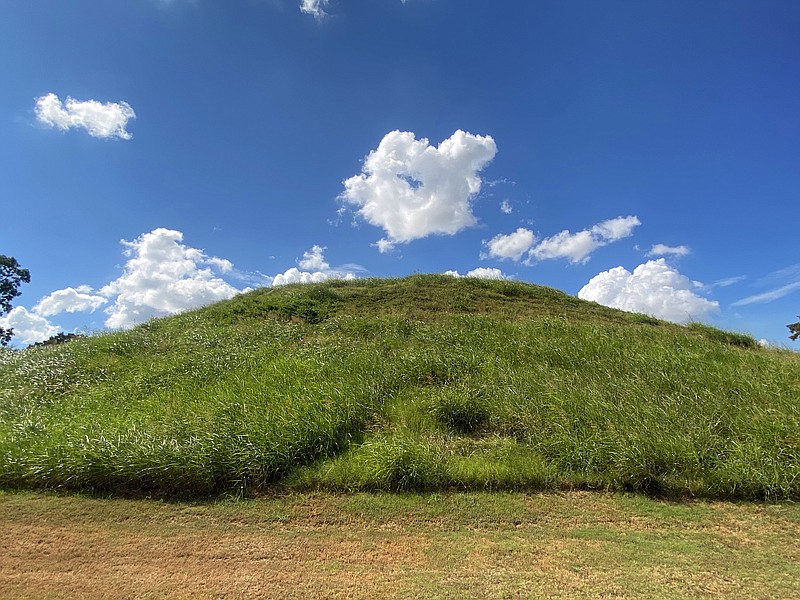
column 460, row 545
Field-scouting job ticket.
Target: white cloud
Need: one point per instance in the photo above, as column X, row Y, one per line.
column 314, row 8
column 664, row 250
column 770, row 295
column 413, row 189
column 480, row 273
column 316, row 270
column 728, row 281
column 654, row 288
column 512, row 246
column 313, row 260
column 505, row 206
column 221, row 264
column 486, row 273
column 616, row 229
column 384, row 245
column 295, row 275
column 106, row 120
column 577, row 247
column 28, row 327
column 69, row 300
column 789, row 278
column 163, row 277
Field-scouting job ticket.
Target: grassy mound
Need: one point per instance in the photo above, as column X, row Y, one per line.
column 427, row 382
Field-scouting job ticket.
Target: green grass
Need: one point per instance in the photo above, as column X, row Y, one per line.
column 424, row 383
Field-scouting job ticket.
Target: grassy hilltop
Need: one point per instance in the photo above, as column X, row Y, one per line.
column 427, row 382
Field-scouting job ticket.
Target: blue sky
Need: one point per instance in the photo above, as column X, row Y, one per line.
column 157, row 155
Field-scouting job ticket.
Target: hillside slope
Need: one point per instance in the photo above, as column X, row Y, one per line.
column 426, row 382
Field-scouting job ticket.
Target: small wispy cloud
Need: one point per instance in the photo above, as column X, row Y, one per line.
column 664, row 250
column 783, row 282
column 728, row 281
column 770, row 295
column 315, row 8
column 490, row 183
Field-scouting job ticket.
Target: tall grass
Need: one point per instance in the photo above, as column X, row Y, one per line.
column 420, row 383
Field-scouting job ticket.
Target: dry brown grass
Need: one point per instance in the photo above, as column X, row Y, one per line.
column 363, row 546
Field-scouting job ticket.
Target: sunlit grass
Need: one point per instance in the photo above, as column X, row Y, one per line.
column 423, row 383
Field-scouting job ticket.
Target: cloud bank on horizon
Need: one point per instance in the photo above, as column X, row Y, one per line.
column 653, row 288
column 479, row 273
column 162, row 276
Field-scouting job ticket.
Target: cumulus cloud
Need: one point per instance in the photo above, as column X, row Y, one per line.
column 480, row 273
column 577, row 247
column 316, row 270
column 295, row 275
column 505, row 207
column 413, row 189
column 162, row 277
column 664, row 250
column 69, row 300
column 654, row 288
column 313, row 260
column 512, row 246
column 28, row 327
column 102, row 120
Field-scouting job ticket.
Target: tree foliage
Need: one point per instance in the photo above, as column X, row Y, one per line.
column 59, row 338
column 795, row 329
column 11, row 277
